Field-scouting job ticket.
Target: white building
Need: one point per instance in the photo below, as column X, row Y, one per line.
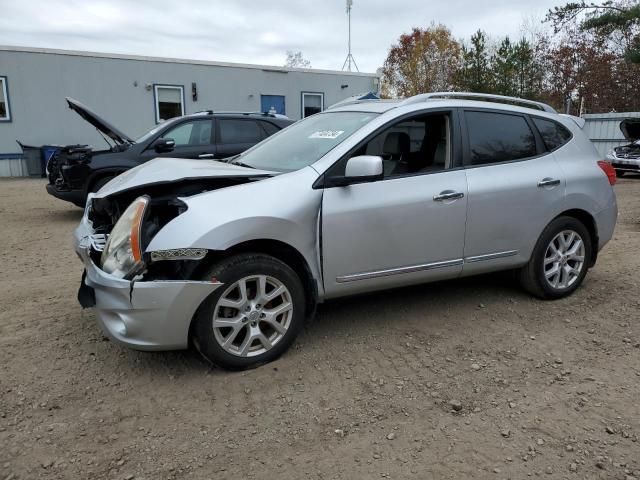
column 134, row 93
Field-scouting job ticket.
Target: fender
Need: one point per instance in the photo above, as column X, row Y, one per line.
column 221, row 219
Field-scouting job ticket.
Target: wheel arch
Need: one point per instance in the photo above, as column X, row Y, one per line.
column 590, row 224
column 100, row 174
column 277, row 249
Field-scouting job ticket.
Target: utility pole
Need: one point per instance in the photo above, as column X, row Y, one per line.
column 349, row 60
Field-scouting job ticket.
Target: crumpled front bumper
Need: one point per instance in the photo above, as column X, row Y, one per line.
column 77, row 197
column 144, row 315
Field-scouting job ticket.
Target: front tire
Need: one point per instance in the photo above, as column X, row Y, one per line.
column 254, row 316
column 560, row 260
column 101, row 182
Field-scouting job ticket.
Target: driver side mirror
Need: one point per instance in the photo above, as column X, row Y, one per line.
column 360, row 169
column 164, row 145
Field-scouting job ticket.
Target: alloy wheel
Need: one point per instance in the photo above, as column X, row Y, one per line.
column 564, row 259
column 252, row 315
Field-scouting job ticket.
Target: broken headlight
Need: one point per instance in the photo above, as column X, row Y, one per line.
column 122, row 255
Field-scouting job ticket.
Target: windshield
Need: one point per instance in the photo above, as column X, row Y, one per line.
column 305, row 142
column 143, row 138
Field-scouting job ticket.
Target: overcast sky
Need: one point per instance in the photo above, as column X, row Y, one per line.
column 252, row 31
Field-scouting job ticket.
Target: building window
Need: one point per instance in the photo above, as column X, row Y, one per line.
column 5, row 112
column 169, row 101
column 312, row 103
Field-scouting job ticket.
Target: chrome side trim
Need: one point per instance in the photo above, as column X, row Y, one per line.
column 179, row 254
column 490, row 256
column 396, row 271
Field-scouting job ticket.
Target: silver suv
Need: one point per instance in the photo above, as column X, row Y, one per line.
column 231, row 256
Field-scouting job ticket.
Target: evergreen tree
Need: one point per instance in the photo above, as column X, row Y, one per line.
column 504, row 69
column 475, row 73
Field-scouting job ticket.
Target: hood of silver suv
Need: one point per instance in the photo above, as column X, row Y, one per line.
column 170, row 170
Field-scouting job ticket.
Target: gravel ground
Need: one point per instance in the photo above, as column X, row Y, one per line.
column 463, row 379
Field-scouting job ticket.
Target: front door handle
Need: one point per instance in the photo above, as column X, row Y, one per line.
column 205, row 155
column 548, row 182
column 447, row 195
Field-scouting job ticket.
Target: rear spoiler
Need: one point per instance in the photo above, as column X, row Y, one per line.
column 581, row 122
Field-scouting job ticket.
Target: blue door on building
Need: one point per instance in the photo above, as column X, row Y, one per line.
column 271, row 103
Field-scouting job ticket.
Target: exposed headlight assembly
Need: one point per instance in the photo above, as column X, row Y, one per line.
column 611, row 155
column 122, row 255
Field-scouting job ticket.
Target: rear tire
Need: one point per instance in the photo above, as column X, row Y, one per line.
column 254, row 316
column 560, row 260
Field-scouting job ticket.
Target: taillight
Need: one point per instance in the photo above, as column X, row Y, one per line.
column 609, row 171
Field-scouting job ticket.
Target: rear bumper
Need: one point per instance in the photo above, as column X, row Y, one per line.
column 606, row 223
column 77, row 197
column 143, row 315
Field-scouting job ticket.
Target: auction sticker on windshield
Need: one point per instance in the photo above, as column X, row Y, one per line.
column 329, row 134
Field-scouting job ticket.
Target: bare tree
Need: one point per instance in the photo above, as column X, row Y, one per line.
column 295, row 59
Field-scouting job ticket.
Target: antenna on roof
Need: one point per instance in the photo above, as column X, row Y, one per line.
column 349, row 60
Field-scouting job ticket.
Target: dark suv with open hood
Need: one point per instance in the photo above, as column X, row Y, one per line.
column 76, row 170
column 626, row 158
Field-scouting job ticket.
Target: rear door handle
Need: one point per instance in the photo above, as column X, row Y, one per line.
column 205, row 155
column 548, row 182
column 447, row 195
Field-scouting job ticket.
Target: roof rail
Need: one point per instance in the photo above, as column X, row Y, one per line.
column 215, row 112
column 480, row 96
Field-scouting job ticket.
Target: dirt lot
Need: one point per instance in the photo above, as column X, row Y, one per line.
column 465, row 379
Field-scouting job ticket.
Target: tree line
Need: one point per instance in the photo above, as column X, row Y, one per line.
column 583, row 58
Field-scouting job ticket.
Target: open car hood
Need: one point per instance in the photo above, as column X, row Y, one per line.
column 101, row 124
column 630, row 128
column 172, row 170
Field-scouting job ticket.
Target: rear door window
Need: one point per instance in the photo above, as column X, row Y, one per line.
column 498, row 137
column 553, row 134
column 234, row 131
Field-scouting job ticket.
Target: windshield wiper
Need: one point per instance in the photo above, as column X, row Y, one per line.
column 233, row 161
column 240, row 164
column 229, row 159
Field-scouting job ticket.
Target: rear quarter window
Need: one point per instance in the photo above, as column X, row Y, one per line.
column 553, row 134
column 498, row 137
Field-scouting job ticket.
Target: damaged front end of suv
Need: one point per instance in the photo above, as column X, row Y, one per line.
column 626, row 158
column 71, row 168
column 131, row 287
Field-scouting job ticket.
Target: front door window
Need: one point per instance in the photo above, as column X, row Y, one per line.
column 191, row 133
